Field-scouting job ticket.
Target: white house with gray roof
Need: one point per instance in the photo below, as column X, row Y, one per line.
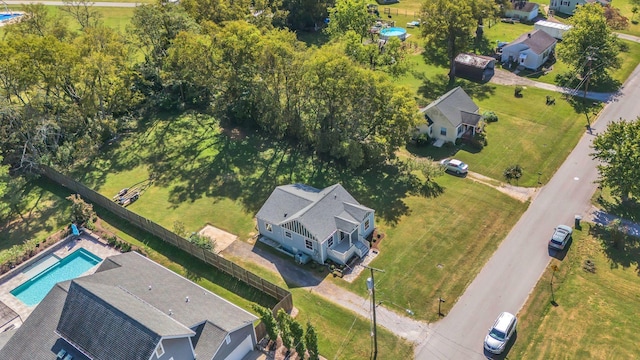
column 132, row 309
column 450, row 117
column 327, row 224
column 530, row 50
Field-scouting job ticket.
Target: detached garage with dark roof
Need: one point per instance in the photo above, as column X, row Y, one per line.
column 474, row 67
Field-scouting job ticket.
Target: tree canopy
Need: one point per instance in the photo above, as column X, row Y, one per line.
column 448, row 25
column 590, row 47
column 66, row 91
column 349, row 15
column 618, row 150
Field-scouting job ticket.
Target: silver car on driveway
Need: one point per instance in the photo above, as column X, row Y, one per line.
column 560, row 238
column 455, row 166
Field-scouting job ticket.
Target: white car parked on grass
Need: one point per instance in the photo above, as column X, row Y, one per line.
column 455, row 166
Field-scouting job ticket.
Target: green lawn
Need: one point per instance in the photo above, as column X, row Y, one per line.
column 439, row 246
column 113, row 17
column 597, row 313
column 202, row 175
column 529, row 133
column 46, row 212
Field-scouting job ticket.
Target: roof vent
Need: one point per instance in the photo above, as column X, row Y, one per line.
column 170, row 312
column 335, row 196
column 149, row 287
column 186, row 299
column 285, row 214
column 529, row 35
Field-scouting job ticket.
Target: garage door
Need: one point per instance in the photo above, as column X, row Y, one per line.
column 243, row 349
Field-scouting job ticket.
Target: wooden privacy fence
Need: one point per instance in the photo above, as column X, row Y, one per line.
column 285, row 301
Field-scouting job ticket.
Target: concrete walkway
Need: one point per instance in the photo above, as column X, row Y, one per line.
column 504, row 77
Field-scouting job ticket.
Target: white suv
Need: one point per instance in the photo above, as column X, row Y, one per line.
column 500, row 333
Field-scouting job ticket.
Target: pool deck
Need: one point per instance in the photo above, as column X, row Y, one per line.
column 35, row 265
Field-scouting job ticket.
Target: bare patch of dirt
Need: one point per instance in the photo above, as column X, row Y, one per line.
column 222, row 238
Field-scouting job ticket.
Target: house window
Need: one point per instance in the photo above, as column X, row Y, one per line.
column 443, row 131
column 342, row 235
column 367, row 223
column 268, row 227
column 159, row 350
column 330, row 242
column 459, row 130
column 287, row 234
column 308, row 244
column 227, row 339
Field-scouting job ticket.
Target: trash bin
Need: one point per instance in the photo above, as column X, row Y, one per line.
column 577, row 220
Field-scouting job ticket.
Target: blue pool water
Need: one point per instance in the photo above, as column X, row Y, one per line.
column 32, row 291
column 5, row 16
column 393, row 31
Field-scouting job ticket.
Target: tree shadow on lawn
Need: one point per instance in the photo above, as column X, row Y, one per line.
column 438, row 85
column 249, row 167
column 629, row 210
column 625, row 252
column 35, row 219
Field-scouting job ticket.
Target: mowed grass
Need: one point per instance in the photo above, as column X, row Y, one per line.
column 341, row 333
column 46, row 211
column 597, row 314
column 114, row 17
column 439, row 246
column 528, row 133
column 202, row 175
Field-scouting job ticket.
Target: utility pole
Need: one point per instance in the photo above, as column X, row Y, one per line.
column 372, row 289
column 590, row 59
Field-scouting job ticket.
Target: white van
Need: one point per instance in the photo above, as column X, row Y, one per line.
column 500, row 333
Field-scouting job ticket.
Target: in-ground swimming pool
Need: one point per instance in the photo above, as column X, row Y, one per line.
column 400, row 33
column 8, row 16
column 32, row 291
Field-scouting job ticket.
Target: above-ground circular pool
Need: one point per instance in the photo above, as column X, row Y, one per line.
column 398, row 32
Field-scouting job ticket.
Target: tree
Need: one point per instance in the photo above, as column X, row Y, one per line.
column 590, row 48
column 297, row 332
column 83, row 11
column 427, row 167
column 284, row 324
column 80, row 210
column 349, row 15
column 618, row 151
column 202, row 241
column 306, row 14
column 448, row 25
column 5, row 179
column 311, row 340
column 270, row 324
column 513, row 172
column 615, row 19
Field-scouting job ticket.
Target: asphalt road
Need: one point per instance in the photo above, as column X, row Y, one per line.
column 508, row 277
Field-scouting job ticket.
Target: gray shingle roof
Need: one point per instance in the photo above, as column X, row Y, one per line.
column 321, row 212
column 474, row 60
column 451, row 105
column 537, row 40
column 470, row 118
column 207, row 340
column 119, row 296
column 116, row 308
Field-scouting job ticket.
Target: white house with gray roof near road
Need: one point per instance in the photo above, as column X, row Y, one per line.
column 530, row 50
column 327, row 224
column 131, row 309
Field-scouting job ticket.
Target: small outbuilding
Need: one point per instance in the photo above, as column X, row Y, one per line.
column 522, row 10
column 474, row 67
column 554, row 29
